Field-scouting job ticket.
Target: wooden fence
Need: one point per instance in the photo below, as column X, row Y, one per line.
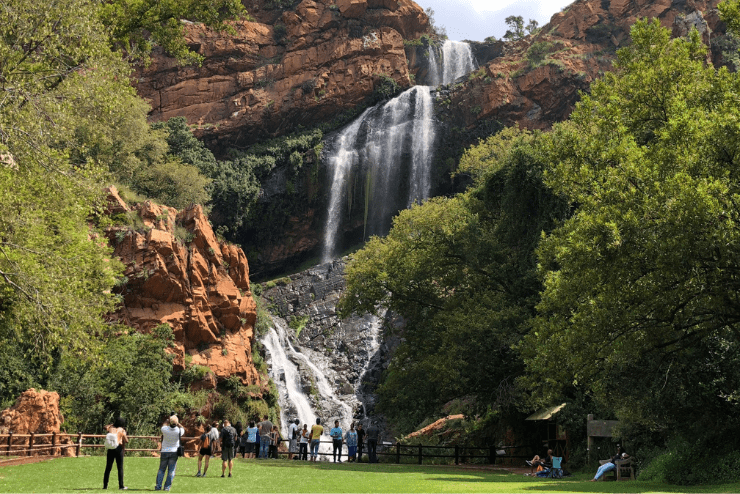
column 56, row 444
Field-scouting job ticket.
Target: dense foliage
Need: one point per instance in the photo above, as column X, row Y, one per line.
column 70, row 123
column 595, row 265
column 462, row 271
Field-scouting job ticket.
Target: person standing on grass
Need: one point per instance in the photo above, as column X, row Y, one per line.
column 239, row 433
column 336, row 441
column 228, row 442
column 303, row 445
column 360, row 441
column 204, row 450
column 274, row 442
column 351, row 440
column 373, row 434
column 115, row 442
column 315, row 438
column 265, row 428
column 293, row 436
column 171, row 434
column 215, row 436
column 253, row 435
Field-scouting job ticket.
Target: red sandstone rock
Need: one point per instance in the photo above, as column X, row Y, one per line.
column 197, row 284
column 35, row 412
column 584, row 36
column 256, row 81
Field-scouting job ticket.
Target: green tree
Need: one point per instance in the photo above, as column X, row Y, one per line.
column 136, row 26
column 640, row 304
column 462, row 273
column 57, row 78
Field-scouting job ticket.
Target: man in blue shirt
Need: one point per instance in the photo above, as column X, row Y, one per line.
column 336, row 436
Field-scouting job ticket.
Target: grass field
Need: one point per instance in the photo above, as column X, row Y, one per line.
column 85, row 474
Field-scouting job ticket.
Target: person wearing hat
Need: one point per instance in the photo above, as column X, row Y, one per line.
column 171, row 434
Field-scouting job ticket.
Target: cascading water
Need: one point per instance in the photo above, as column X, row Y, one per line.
column 303, row 379
column 457, row 60
column 390, row 148
column 385, row 157
column 387, row 153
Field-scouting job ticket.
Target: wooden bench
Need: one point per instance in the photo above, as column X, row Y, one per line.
column 624, row 470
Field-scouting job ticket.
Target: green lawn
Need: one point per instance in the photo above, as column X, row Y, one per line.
column 86, row 475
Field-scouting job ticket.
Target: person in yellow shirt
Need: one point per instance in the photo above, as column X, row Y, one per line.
column 315, row 438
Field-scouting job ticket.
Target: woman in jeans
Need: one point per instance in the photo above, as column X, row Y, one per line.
column 171, row 434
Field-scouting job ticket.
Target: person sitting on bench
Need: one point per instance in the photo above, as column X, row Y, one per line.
column 611, row 465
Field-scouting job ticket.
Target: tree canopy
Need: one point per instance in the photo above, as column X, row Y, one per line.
column 640, row 284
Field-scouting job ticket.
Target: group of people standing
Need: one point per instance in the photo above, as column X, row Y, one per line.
column 259, row 440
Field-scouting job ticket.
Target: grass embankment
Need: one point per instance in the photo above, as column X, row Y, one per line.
column 86, row 475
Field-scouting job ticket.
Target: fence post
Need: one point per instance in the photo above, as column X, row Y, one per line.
column 398, row 453
column 79, row 444
column 54, row 443
column 30, row 445
column 10, row 443
column 457, row 454
column 492, row 455
column 420, row 456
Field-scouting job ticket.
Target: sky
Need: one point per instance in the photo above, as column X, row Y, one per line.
column 475, row 20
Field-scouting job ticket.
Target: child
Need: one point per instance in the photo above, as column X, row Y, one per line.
column 274, row 441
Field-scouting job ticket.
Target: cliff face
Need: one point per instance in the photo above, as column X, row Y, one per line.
column 178, row 273
column 301, row 65
column 536, row 81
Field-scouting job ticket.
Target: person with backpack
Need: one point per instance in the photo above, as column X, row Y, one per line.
column 171, row 434
column 228, row 442
column 115, row 442
column 204, row 450
column 373, row 436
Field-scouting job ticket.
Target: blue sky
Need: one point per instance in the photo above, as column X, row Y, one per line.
column 476, row 19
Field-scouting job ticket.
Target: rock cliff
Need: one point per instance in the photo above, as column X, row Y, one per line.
column 536, row 81
column 293, row 66
column 179, row 273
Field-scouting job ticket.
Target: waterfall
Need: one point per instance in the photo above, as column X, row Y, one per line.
column 390, row 146
column 388, row 151
column 457, row 60
column 304, row 379
column 434, row 77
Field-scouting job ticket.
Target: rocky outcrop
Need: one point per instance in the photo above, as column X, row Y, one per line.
column 177, row 272
column 536, row 82
column 301, row 68
column 35, row 412
column 350, row 353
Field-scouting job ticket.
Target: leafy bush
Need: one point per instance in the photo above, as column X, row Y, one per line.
column 686, row 465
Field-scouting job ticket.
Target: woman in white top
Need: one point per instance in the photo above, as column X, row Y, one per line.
column 171, row 434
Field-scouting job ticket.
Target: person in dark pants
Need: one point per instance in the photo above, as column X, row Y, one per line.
column 360, row 441
column 373, row 434
column 115, row 442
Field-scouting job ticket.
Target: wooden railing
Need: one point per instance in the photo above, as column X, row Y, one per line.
column 33, row 444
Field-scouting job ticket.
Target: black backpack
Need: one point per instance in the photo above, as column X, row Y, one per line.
column 228, row 436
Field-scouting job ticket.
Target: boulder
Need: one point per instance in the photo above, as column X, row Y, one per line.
column 36, row 412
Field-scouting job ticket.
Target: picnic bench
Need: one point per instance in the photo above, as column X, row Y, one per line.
column 624, row 470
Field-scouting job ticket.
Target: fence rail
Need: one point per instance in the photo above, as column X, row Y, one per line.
column 55, row 443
